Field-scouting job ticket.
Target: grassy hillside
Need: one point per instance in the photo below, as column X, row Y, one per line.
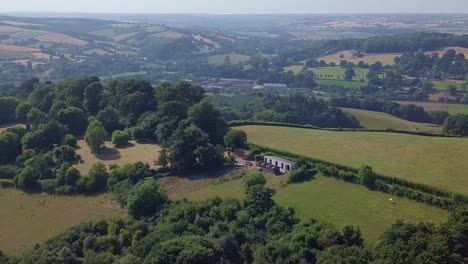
column 29, row 219
column 233, row 57
column 434, row 161
column 451, row 108
column 343, row 83
column 337, row 202
column 350, row 56
column 378, row 120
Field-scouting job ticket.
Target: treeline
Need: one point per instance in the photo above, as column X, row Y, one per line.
column 255, row 230
column 294, row 109
column 408, row 112
column 410, row 42
column 433, row 66
column 177, row 116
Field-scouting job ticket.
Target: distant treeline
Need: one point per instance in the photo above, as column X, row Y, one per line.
column 408, row 112
column 411, row 42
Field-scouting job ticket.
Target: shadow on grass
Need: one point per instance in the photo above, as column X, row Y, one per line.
column 108, row 154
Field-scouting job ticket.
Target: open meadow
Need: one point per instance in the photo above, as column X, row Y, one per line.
column 379, row 120
column 436, row 161
column 134, row 152
column 342, row 83
column 28, row 219
column 234, row 58
column 429, row 106
column 445, row 84
column 337, row 202
column 371, row 58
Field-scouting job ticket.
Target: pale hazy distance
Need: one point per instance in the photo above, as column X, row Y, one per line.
column 236, row 7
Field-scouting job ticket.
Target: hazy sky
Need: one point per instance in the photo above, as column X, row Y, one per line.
column 236, row 6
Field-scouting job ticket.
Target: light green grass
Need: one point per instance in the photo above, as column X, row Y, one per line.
column 337, row 202
column 436, row 161
column 444, row 85
column 29, row 219
column 338, row 73
column 451, row 108
column 296, row 69
column 233, row 57
column 343, row 83
column 378, row 120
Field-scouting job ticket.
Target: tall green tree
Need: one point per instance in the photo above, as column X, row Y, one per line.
column 95, row 135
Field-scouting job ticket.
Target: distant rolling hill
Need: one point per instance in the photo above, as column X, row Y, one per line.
column 378, row 120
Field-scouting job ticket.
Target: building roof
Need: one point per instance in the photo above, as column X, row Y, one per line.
column 275, row 158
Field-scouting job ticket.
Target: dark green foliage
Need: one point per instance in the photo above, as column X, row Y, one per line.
column 109, row 118
column 133, row 172
column 64, row 154
column 120, row 138
column 253, row 179
column 208, row 118
column 145, row 199
column 186, row 249
column 74, row 119
column 96, row 180
column 209, row 157
column 8, row 107
column 95, row 135
column 21, row 112
column 92, row 97
column 10, row 147
column 304, row 171
column 456, row 125
column 349, row 74
column 146, row 126
column 438, row 117
column 70, row 140
column 44, row 137
column 345, row 255
column 8, row 172
column 36, row 117
column 235, row 138
column 27, row 179
column 366, row 176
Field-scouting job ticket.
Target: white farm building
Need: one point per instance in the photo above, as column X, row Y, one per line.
column 284, row 165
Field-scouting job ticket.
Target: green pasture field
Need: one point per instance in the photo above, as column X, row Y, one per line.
column 233, row 57
column 437, row 161
column 337, row 202
column 444, row 85
column 378, row 120
column 451, row 108
column 343, row 83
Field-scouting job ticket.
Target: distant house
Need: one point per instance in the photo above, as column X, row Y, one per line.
column 283, row 165
column 275, row 86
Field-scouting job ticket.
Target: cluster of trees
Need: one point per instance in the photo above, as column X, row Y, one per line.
column 433, row 66
column 295, row 109
column 177, row 116
column 255, row 230
column 408, row 111
column 457, row 125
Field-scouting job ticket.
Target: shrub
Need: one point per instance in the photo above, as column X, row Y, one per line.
column 120, row 138
column 303, row 173
column 8, row 172
column 70, row 140
column 146, row 199
column 366, row 176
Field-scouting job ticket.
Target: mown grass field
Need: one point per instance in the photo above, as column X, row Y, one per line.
column 371, row 58
column 343, row 83
column 134, row 152
column 29, row 219
column 378, row 120
column 338, row 73
column 444, row 85
column 337, row 202
column 233, row 57
column 436, row 161
column 451, row 108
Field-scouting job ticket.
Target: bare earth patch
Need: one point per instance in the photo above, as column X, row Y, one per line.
column 134, row 152
column 26, row 220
